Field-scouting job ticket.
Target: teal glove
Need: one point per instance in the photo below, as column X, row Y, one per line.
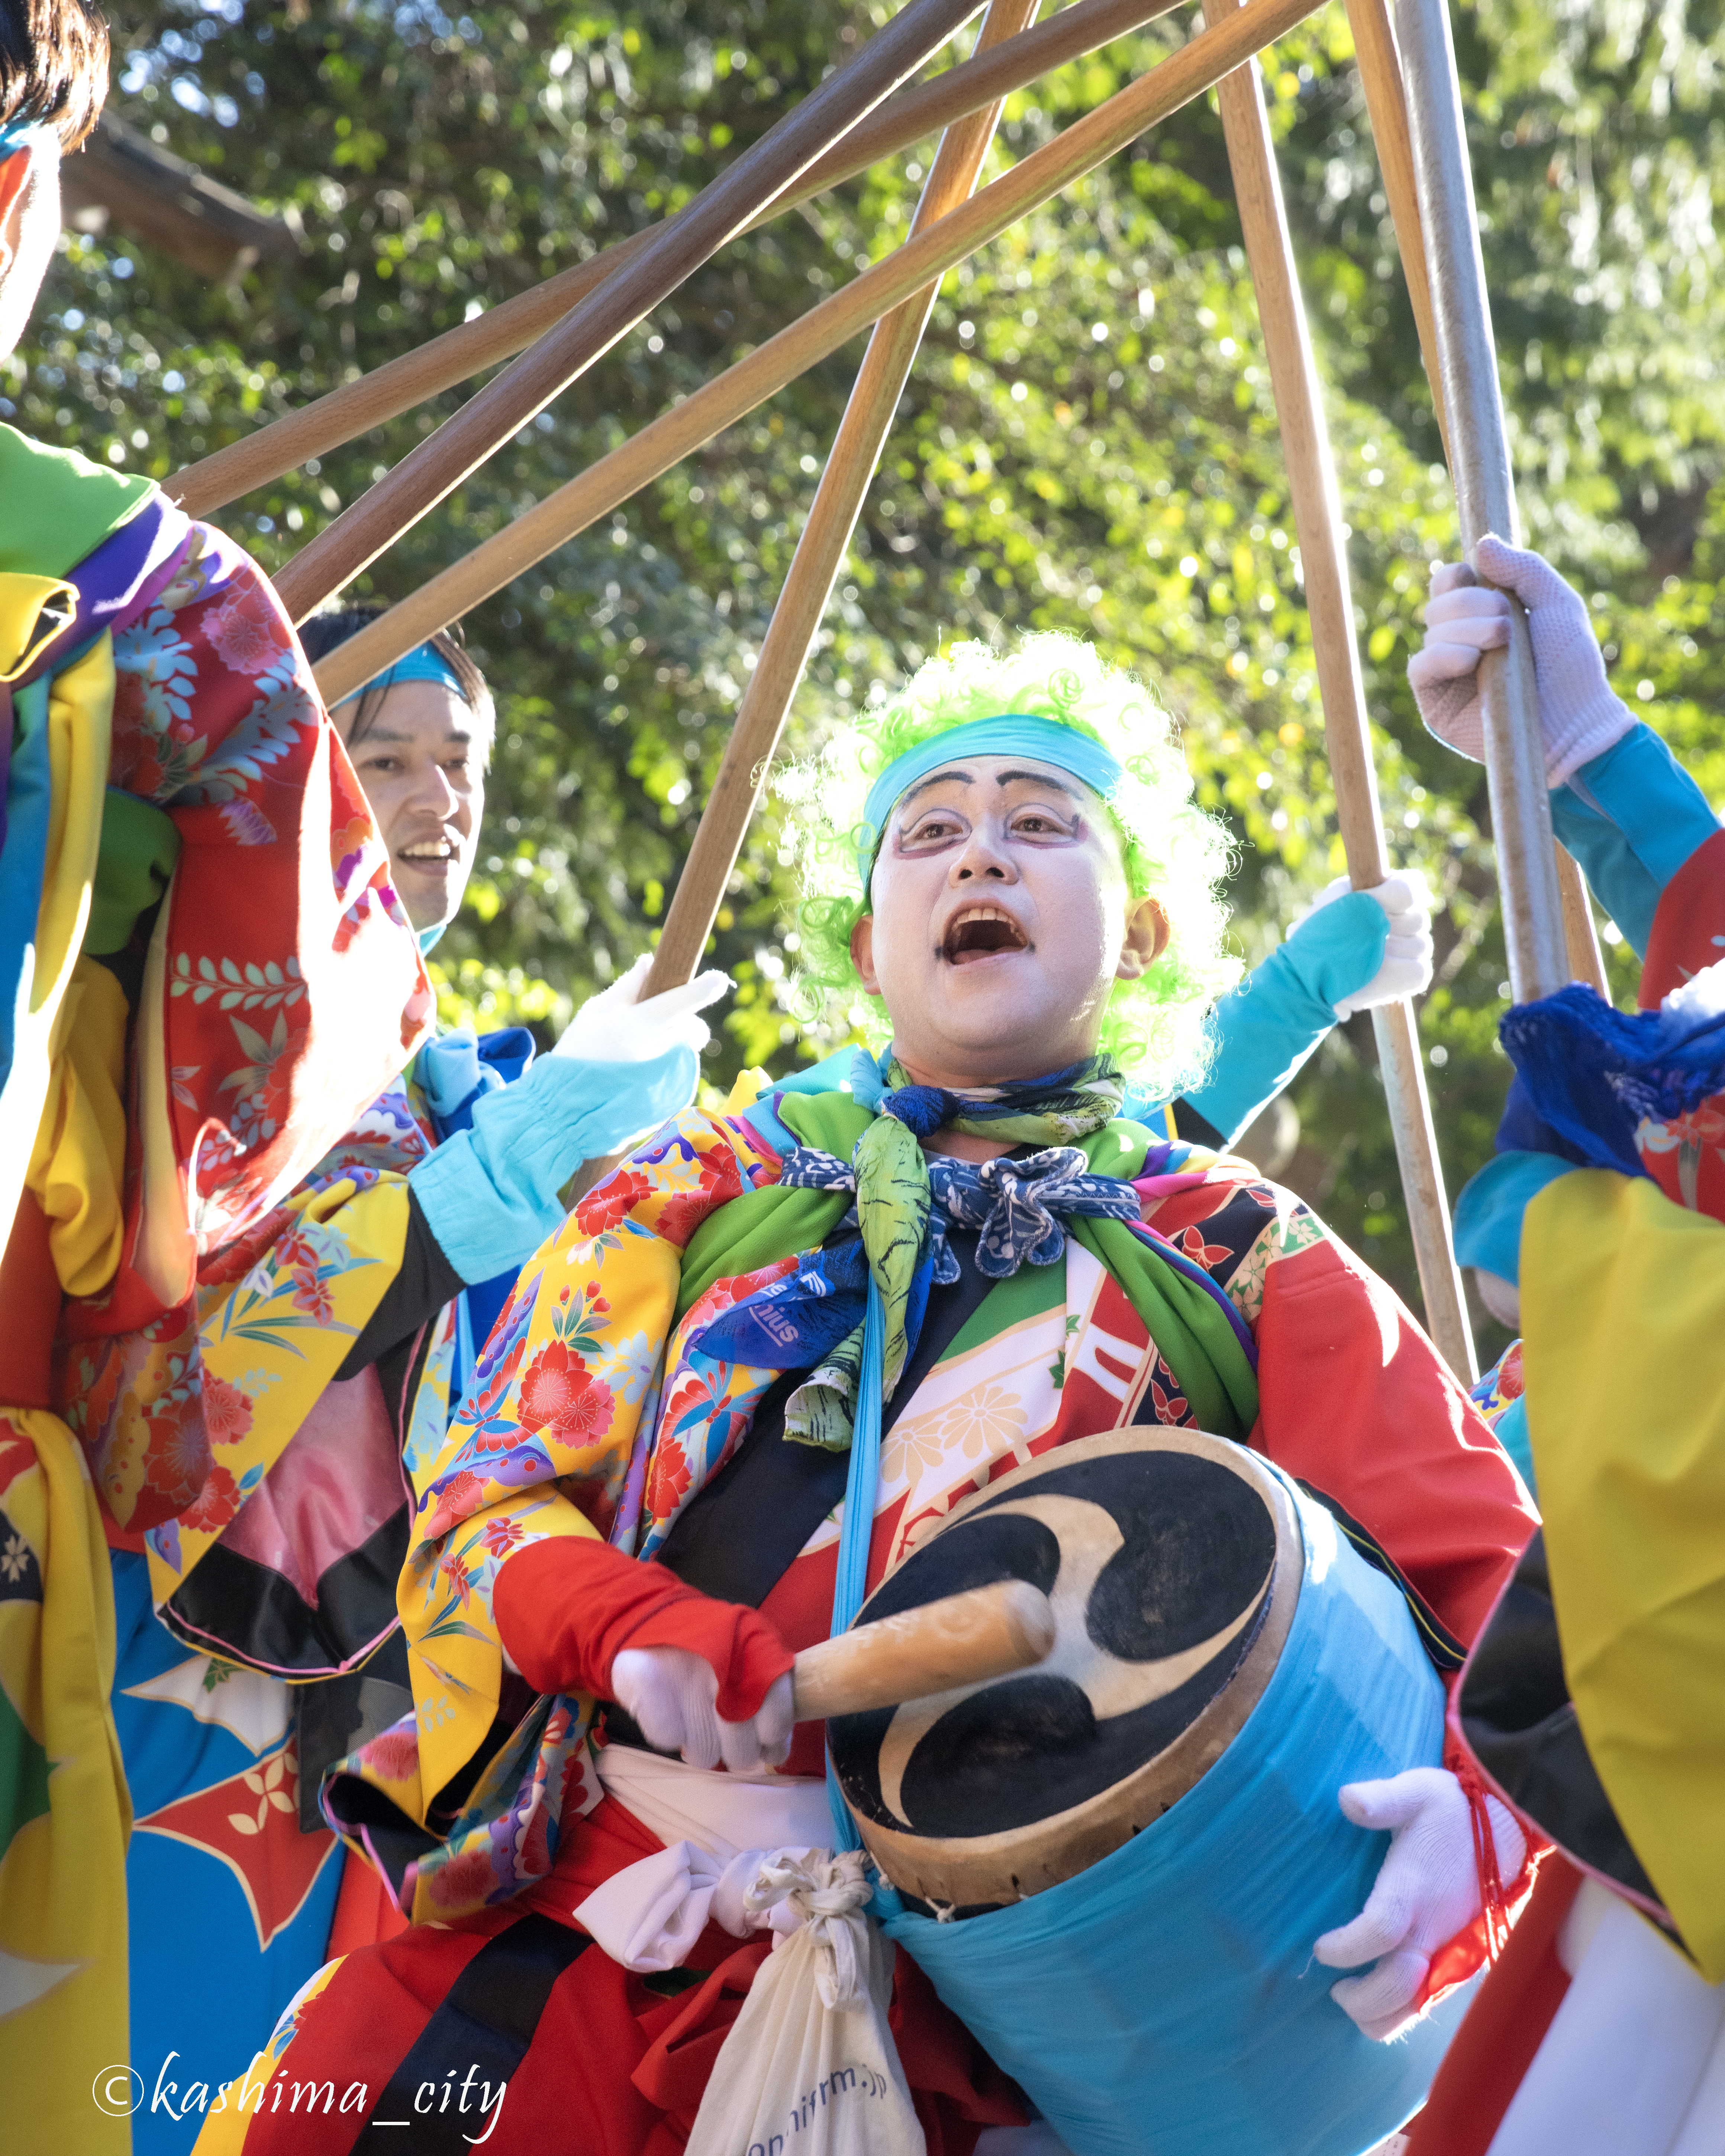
column 489, row 1194
column 1266, row 1029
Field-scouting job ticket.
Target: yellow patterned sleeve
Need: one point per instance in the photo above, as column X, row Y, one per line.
column 556, row 1422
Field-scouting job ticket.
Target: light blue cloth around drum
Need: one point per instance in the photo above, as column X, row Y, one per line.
column 1165, row 2003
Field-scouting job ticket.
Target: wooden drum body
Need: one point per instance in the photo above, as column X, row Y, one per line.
column 1173, row 1566
column 1112, row 1866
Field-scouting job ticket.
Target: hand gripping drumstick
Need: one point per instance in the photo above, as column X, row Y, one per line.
column 962, row 1640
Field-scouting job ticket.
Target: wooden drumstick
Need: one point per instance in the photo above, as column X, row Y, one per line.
column 965, row 1638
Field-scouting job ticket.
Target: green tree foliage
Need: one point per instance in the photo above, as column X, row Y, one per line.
column 1088, row 442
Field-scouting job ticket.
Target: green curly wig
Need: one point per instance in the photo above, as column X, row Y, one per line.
column 1153, row 1027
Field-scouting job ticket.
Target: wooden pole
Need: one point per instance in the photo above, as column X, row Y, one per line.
column 1196, row 67
column 826, row 537
column 1380, row 71
column 1317, row 517
column 920, row 109
column 722, row 208
column 1485, row 497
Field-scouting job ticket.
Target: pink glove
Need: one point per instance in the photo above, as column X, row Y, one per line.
column 673, row 1694
column 1427, row 1890
column 1579, row 716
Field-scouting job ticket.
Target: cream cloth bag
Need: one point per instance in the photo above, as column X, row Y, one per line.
column 809, row 2067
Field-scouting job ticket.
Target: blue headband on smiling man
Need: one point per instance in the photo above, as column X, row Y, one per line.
column 1013, row 733
column 424, row 663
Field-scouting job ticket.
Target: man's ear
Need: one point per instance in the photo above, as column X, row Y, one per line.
column 862, row 954
column 1146, row 933
column 14, row 179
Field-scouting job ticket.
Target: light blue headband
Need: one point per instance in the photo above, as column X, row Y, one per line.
column 1013, row 733
column 424, row 663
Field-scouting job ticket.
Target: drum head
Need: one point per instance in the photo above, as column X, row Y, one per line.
column 1173, row 1561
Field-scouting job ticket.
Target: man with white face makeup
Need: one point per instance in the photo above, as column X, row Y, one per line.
column 1012, row 892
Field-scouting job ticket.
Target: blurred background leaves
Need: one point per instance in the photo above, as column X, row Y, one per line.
column 1088, row 442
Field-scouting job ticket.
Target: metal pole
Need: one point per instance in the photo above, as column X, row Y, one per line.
column 1380, row 73
column 1485, row 497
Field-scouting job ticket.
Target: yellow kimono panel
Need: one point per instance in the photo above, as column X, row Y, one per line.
column 78, row 1164
column 64, row 1811
column 1623, row 1299
column 268, row 1343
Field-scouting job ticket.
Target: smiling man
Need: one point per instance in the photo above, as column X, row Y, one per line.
column 639, row 1509
column 419, row 739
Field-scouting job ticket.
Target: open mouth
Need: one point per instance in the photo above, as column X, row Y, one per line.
column 981, row 932
column 430, row 853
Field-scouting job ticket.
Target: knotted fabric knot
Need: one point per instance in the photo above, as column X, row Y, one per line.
column 828, row 1891
column 1016, row 1203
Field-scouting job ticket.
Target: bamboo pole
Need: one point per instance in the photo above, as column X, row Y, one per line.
column 1196, row 67
column 722, row 208
column 1380, row 71
column 1317, row 518
column 826, row 537
column 919, row 110
column 1485, row 497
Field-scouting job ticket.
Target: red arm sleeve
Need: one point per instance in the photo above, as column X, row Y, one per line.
column 1356, row 1401
column 566, row 1607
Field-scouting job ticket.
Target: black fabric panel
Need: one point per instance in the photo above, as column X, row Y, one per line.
column 393, row 1839
column 426, row 1282
column 1194, row 1129
column 1445, row 1651
column 485, row 2023
column 739, row 1537
column 1517, row 1717
column 337, row 1715
column 356, row 1600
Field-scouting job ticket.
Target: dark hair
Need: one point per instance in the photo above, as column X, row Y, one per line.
column 53, row 65
column 333, row 624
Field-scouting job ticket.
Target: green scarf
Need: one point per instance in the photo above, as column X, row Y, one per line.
column 1194, row 1335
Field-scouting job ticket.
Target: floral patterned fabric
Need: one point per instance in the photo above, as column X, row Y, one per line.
column 1685, row 1154
column 182, row 1419
column 595, row 1410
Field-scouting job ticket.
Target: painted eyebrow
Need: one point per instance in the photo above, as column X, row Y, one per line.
column 1001, row 779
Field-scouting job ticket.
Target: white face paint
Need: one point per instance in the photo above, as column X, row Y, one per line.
column 1002, row 920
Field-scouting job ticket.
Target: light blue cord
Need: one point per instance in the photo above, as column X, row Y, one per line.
column 861, row 1483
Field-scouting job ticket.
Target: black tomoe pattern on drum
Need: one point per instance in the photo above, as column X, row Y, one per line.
column 1196, row 1550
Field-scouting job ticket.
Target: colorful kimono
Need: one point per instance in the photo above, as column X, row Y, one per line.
column 204, row 974
column 1592, row 1699
column 613, row 1394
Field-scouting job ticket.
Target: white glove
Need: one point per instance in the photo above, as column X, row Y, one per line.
column 1427, row 1890
column 615, row 1026
column 1406, row 970
column 672, row 1693
column 1579, row 716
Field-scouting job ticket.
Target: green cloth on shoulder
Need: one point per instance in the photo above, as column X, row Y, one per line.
column 763, row 1226
column 56, row 506
column 140, row 846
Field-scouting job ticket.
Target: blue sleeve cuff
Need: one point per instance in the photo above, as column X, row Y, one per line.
column 490, row 1193
column 1489, row 1211
column 1264, row 1030
column 1631, row 818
